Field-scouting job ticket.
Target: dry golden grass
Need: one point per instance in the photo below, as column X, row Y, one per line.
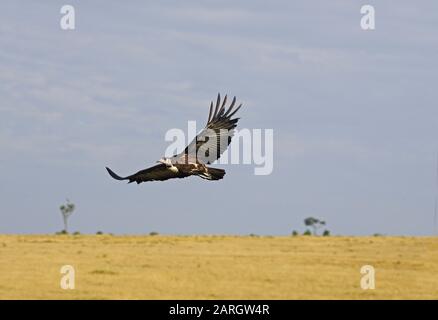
column 217, row 267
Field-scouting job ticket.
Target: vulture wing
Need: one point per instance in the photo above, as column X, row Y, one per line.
column 155, row 173
column 214, row 139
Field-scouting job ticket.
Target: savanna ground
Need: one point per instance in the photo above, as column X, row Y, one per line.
column 217, row 267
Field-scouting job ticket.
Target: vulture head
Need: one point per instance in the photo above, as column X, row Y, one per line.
column 165, row 161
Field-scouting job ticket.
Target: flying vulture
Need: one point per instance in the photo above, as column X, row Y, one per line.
column 206, row 148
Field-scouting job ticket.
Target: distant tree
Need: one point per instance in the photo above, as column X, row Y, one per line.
column 326, row 233
column 307, row 233
column 66, row 211
column 314, row 223
column 99, row 232
column 153, row 233
column 295, row 233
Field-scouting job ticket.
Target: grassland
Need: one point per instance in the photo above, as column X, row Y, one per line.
column 217, row 267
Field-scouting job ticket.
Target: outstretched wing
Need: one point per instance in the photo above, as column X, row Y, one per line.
column 215, row 138
column 155, row 173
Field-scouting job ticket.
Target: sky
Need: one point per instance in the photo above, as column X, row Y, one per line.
column 354, row 114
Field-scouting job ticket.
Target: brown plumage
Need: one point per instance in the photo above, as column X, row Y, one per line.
column 206, row 148
column 214, row 139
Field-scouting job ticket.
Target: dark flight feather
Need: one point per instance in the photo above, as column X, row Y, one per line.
column 219, row 125
column 219, row 129
column 158, row 172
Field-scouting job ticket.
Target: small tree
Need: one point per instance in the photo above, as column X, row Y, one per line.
column 314, row 223
column 326, row 233
column 66, row 211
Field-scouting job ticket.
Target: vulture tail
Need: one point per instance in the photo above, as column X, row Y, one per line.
column 214, row 174
column 115, row 176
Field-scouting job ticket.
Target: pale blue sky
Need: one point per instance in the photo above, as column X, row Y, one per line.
column 354, row 114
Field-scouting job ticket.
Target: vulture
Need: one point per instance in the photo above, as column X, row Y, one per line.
column 205, row 148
